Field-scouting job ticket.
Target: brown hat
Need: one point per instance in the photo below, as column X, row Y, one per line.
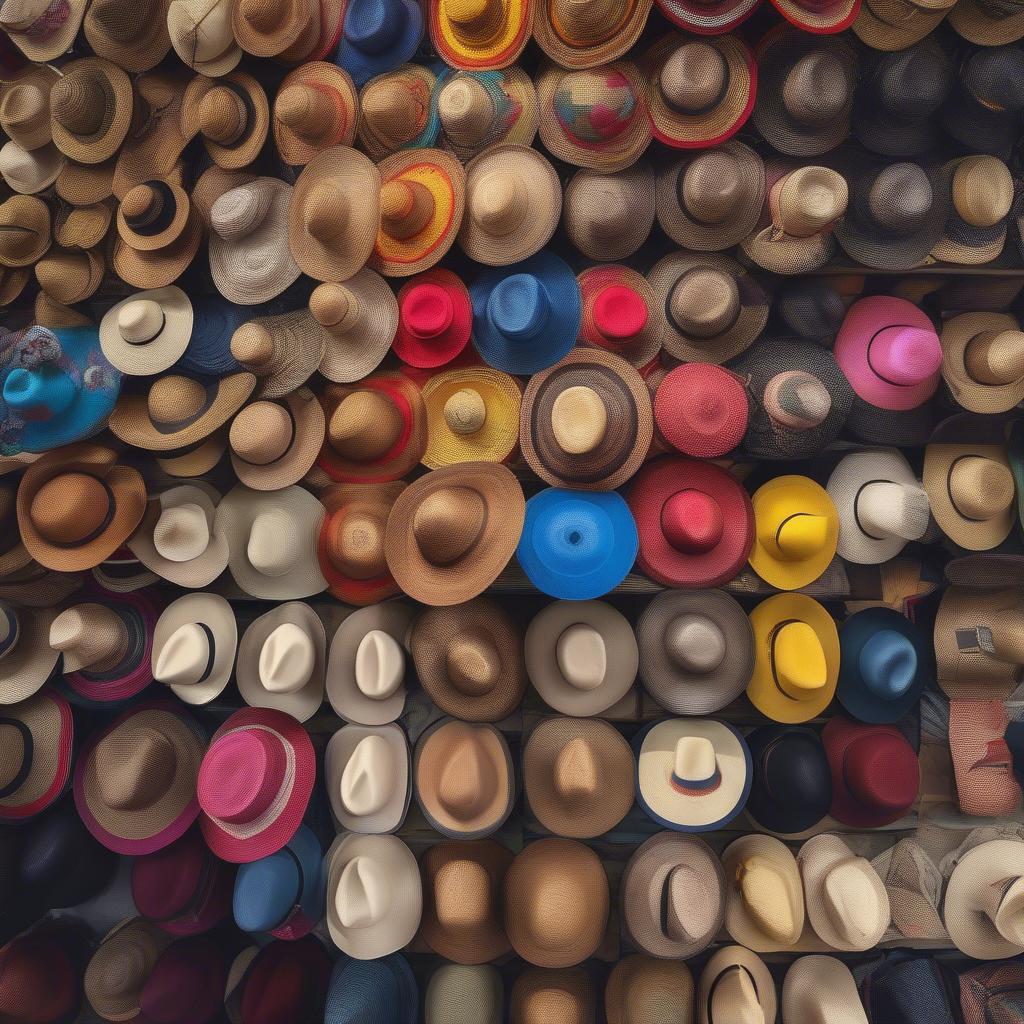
column 25, row 107
column 446, row 541
column 981, row 194
column 397, row 111
column 231, row 114
column 639, row 983
column 12, row 284
column 117, row 971
column 541, row 996
column 24, row 230
column 986, row 23
column 36, row 31
column 83, row 184
column 50, row 313
column 70, row 275
column 269, row 28
column 898, row 24
column 582, row 36
column 282, row 350
column 129, row 33
column 26, row 657
column 609, row 216
column 82, row 227
column 90, row 110
column 315, row 109
column 983, row 361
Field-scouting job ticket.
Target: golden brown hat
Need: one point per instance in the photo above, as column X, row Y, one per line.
column 315, row 109
column 231, row 114
column 541, row 995
column 639, row 983
column 272, row 28
column 70, row 275
column 578, row 35
column 90, row 110
column 983, row 361
column 282, row 350
column 129, row 33
column 24, row 231
column 25, row 107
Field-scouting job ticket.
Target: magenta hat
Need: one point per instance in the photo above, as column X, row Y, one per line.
column 435, row 319
column 187, row 983
column 254, row 784
column 889, row 352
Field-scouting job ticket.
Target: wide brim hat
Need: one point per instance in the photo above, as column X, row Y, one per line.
column 967, row 907
column 977, row 396
column 30, row 172
column 282, row 349
column 435, row 320
column 398, row 110
column 159, row 351
column 619, row 314
column 157, row 268
column 118, row 969
column 85, row 184
column 104, row 142
column 597, row 39
column 82, row 227
column 609, row 216
column 28, row 660
column 328, row 86
column 47, row 37
column 249, row 97
column 70, row 276
column 748, row 965
column 986, row 24
column 501, row 31
column 211, row 54
column 374, row 761
column 194, row 461
column 104, row 29
column 25, row 109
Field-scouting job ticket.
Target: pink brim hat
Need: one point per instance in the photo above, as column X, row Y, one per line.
column 435, row 319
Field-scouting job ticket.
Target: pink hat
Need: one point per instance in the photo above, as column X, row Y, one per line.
column 254, row 784
column 889, row 352
column 435, row 319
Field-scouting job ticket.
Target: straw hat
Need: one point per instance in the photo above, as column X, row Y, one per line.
column 364, row 989
column 25, row 225
column 26, row 658
column 283, row 351
column 82, row 184
column 133, row 37
column 90, row 110
column 985, row 105
column 609, row 216
column 379, row 36
column 70, row 275
column 821, row 988
column 982, row 363
column 981, row 196
column 639, row 982
column 37, row 736
column 462, row 890
column 191, row 462
column 210, row 186
column 792, row 788
column 764, row 895
column 367, row 771
column 30, row 171
column 541, row 994
column 231, row 115
column 707, row 19
column 118, row 969
column 988, row 24
column 12, row 284
column 736, row 985
column 594, row 118
column 890, row 25
column 701, row 90
column 398, row 110
column 315, row 108
column 796, row 658
column 202, row 36
column 701, row 409
column 619, row 314
column 269, row 30
column 482, row 37
column 455, row 988
column 575, row 37
column 983, row 908
column 464, row 778
column 25, row 107
column 556, row 903
column 148, row 332
column 37, row 31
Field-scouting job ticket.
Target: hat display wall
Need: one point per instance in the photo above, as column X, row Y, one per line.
column 821, row 986
column 202, row 36
column 478, row 109
column 736, row 981
column 454, row 987
column 398, row 110
column 367, row 773
column 981, row 195
column 38, row 733
column 434, row 321
column 619, row 314
column 609, row 216
column 639, row 981
column 981, row 355
column 792, row 788
column 483, row 38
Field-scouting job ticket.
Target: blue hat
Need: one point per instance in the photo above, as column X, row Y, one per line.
column 527, row 316
column 58, row 388
column 214, row 321
column 379, row 36
column 577, row 545
column 283, row 894
column 884, row 663
column 382, row 991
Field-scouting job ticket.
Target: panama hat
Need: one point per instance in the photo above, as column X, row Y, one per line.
column 38, row 734
column 368, row 777
column 983, row 110
column 453, row 988
column 671, row 896
column 271, row 30
column 118, row 969
column 481, row 38
column 982, row 908
column 575, row 38
column 90, row 109
column 41, row 32
column 26, row 658
column 202, row 36
column 792, row 787
column 26, row 225
column 822, row 988
column 360, row 990
column 315, row 108
column 638, row 982
column 541, row 993
column 981, row 361
column 434, row 321
column 736, row 985
column 379, row 36
column 148, row 332
column 398, row 110
column 462, row 891
column 231, row 114
column 283, row 350
column 609, row 216
column 981, row 196
column 132, row 37
column 696, row 650
column 988, row 24
column 366, row 670
column 619, row 314
column 25, row 107
column 478, row 109
column 30, row 171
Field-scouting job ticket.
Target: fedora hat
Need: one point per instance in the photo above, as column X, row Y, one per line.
column 25, row 224
column 283, row 350
column 464, row 778
column 575, row 37
column 282, row 660
column 891, row 25
column 982, row 361
column 736, row 985
column 478, row 109
column 231, row 114
column 701, row 91
column 379, row 36
column 581, row 656
column 981, row 192
column 368, row 777
column 288, row 30
column 619, row 314
column 484, row 37
column 90, row 109
column 983, row 909
column 30, row 171
column 434, row 320
column 671, row 896
column 134, row 37
column 25, row 107
column 398, row 110
column 37, row 738
column 543, row 993
column 595, row 118
column 577, row 545
column 40, row 30
column 464, row 988
column 374, row 895
column 118, row 969
column 383, row 989
column 796, row 658
column 792, row 790
column 821, row 988
column 985, row 106
column 609, row 216
column 148, row 332
column 272, row 539
column 187, row 982
column 202, row 35
column 26, row 658
column 875, row 773
column 316, row 108
column 284, row 981
column 462, row 896
column 640, row 982
column 696, row 650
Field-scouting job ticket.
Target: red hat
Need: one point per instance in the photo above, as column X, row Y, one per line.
column 286, row 981
column 702, row 409
column 875, row 774
column 620, row 313
column 435, row 319
column 187, row 983
column 695, row 521
column 38, row 981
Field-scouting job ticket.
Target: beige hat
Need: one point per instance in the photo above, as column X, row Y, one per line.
column 639, row 985
column 117, row 971
column 231, row 114
column 148, row 332
column 30, row 171
column 26, row 657
column 982, row 193
column 24, row 230
column 194, row 647
column 25, row 107
column 131, row 34
column 736, row 987
column 367, row 770
column 609, row 216
column 202, row 36
column 457, row 990
column 94, row 637
column 288, row 30
column 315, row 108
column 42, row 29
column 821, row 988
column 90, row 109
column 282, row 349
column 983, row 361
column 70, row 275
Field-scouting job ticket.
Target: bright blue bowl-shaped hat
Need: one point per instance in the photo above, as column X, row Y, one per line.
column 884, row 663
column 382, row 991
column 379, row 36
column 577, row 545
column 526, row 316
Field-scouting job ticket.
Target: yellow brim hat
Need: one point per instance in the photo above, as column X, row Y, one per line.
column 481, row 35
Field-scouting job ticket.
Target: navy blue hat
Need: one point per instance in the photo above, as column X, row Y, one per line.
column 884, row 663
column 214, row 321
column 372, row 992
column 526, row 316
column 792, row 788
column 577, row 545
column 379, row 36
column 908, row 990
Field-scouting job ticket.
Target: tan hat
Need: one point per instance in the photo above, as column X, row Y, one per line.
column 26, row 657
column 368, row 777
column 96, row 637
column 736, row 986
column 82, row 227
column 283, row 351
column 821, row 988
column 315, row 108
column 986, row 23
column 578, row 36
column 639, row 985
column 212, row 184
column 25, row 107
column 231, row 114
column 397, row 111
column 202, row 36
column 42, row 29
column 83, row 184
column 266, row 28
column 983, row 361
column 24, row 231
column 70, row 275
column 30, row 171
column 12, row 284
column 541, row 995
column 90, row 110
column 147, row 332
column 195, row 460
column 118, row 970
column 609, row 216
column 891, row 25
column 981, row 192
column 51, row 313
column 130, row 34
column 457, row 989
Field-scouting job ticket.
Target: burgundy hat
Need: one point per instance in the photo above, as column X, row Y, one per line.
column 435, row 319
column 695, row 521
column 254, row 784
column 875, row 774
column 701, row 409
column 187, row 983
column 286, row 981
column 39, row 983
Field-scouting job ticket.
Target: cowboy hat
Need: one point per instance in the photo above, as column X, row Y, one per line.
column 981, row 361
column 231, row 114
column 619, row 314
column 202, row 36
column 736, row 985
column 383, row 990
column 639, row 982
column 454, row 988
column 367, row 774
column 486, row 37
column 398, row 110
column 609, row 216
column 132, row 36
column 37, row 734
column 26, row 657
column 148, row 332
column 379, row 36
column 118, row 969
column 792, row 790
column 434, row 319
column 543, row 993
column 822, row 988
column 90, row 109
column 575, row 37
column 701, row 409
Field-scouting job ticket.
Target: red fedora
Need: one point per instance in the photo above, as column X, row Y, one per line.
column 187, row 983
column 38, row 980
column 435, row 319
column 286, row 982
column 701, row 409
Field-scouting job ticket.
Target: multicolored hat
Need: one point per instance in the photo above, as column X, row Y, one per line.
column 435, row 319
column 484, row 36
column 379, row 36
column 609, row 216
column 981, row 361
column 577, row 37
column 477, row 109
column 38, row 733
column 398, row 110
column 701, row 409
column 315, row 108
column 792, row 787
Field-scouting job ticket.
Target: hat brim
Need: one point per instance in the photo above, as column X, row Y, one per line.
column 639, row 350
column 978, row 871
column 104, row 144
column 159, row 352
column 47, row 718
column 614, row 40
column 970, row 21
column 389, row 817
column 708, row 19
column 810, row 20
column 357, row 352
column 27, row 665
column 957, row 333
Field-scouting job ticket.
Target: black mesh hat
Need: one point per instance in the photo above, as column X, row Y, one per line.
column 909, row 429
column 984, row 110
column 811, row 308
column 792, row 787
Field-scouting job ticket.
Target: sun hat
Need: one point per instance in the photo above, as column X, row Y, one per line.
column 283, row 350
column 526, row 317
column 823, row 988
column 708, row 17
column 478, row 109
column 194, row 460
column 736, row 981
column 366, row 670
column 981, row 361
column 875, row 773
column 671, row 896
column 26, row 225
column 30, row 171
column 187, row 982
column 383, row 990
column 275, row 30
column 70, row 275
column 556, row 903
column 132, row 37
column 469, row 660
column 792, row 788
column 577, row 545
column 481, row 37
column 25, row 107
column 42, row 30
column 148, row 332
column 379, row 36
column 594, row 118
column 981, row 197
column 118, row 969
column 541, row 993
column 609, row 216
column 638, row 982
column 368, row 777
column 576, row 38
column 982, row 907
column 230, row 114
column 891, row 25
column 434, row 320
column 701, row 91
column 456, row 989
column 26, row 658
column 84, row 184
column 619, row 314
column 316, row 108
column 272, row 539
column 202, row 35
column 398, row 110
column 38, row 733
column 464, row 778
column 984, row 108
column 90, row 109
column 283, row 981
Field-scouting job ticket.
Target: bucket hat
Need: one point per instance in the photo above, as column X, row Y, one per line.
column 285, row 981
column 822, row 19
column 609, row 216
column 441, row 545
column 202, row 35
column 316, row 108
column 577, row 545
column 791, row 791
column 25, row 107
column 26, row 658
column 272, row 30
column 981, row 361
column 435, row 319
column 735, row 981
column 481, row 39
column 875, row 773
column 38, row 733
column 984, row 108
column 526, row 317
column 541, row 992
column 469, row 660
column 581, row 656
column 982, row 906
column 231, row 114
column 368, row 777
column 981, row 196
column 148, row 332
column 619, row 314
column 696, row 650
column 90, row 110
column 30, row 171
column 283, row 350
column 379, row 36
column 360, row 990
column 889, row 26
column 574, row 38
column 186, row 983
column 478, row 109
column 454, row 987
column 118, row 969
column 640, row 981
column 398, row 110
column 694, row 520
column 822, row 986
column 26, row 225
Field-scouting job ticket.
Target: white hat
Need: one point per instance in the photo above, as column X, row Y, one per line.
column 736, row 987
column 368, row 772
column 148, row 332
column 30, row 171
column 821, row 990
column 202, row 36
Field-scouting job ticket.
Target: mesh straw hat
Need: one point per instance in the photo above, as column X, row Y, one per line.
column 701, row 409
column 914, row 884
column 465, row 781
column 701, row 91
column 707, row 17
column 70, row 275
column 82, row 184
column 796, row 658
column 594, row 118
column 541, row 993
column 819, row 16
column 283, row 350
column 202, row 36
column 25, row 225
column 578, row 776
column 575, row 37
column 462, row 900
column 368, row 772
column 42, row 29
column 981, row 195
column 609, row 216
column 272, row 537
column 270, row 29
column 989, row 23
column 435, row 319
column 619, row 314
column 12, row 284
column 379, row 36
column 455, row 990
column 671, row 894
column 714, row 308
column 148, row 332
column 37, row 737
column 26, row 658
column 118, row 969
column 132, row 36
column 315, row 108
column 398, row 110
column 25, row 107
column 890, row 25
column 639, row 982
column 984, row 109
column 363, row 989
column 135, row 780
column 735, row 980
column 482, row 36
column 477, row 109
column 982, row 364
column 696, row 650
column 90, row 109
column 792, row 787
column 231, row 115
column 443, row 544
column 30, row 171
column 823, row 987
column 983, row 908
column 469, row 660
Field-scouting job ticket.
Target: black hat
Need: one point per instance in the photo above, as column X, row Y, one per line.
column 792, row 787
column 811, row 308
column 905, row 429
column 984, row 111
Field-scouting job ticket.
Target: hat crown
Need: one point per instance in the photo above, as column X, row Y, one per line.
column 900, row 197
column 582, row 656
column 379, row 665
column 365, row 426
column 466, row 110
column 576, row 774
column 995, row 358
column 134, row 765
column 427, row 310
column 794, row 537
column 274, row 543
column 905, row 355
column 734, row 998
column 587, row 22
column 695, row 759
column 41, row 392
column 695, row 643
column 305, row 110
column 19, row 15
column 325, row 211
column 357, row 543
column 241, row 775
column 173, row 399
column 704, row 302
column 121, row 22
column 79, row 101
column 334, row 306
column 363, row 898
column 519, row 307
column 71, row 509
column 262, row 15
column 694, row 78
column 913, row 83
column 90, row 636
column 692, row 521
column 465, row 412
column 767, row 900
column 852, row 901
column 473, row 664
column 596, row 106
column 888, row 664
column 406, row 208
column 980, row 488
column 467, row 779
column 201, row 32
column 368, row 780
column 395, row 109
column 800, row 665
column 1008, row 913
column 499, row 202
column 808, row 200
column 797, row 400
column 140, row 321
column 373, row 28
column 24, row 105
column 711, row 186
column 476, row 21
column 222, row 116
column 579, row 420
column 287, row 659
column 463, row 896
column 881, row 771
column 262, row 433
column 982, row 190
column 885, row 508
column 241, row 210
column 448, row 523
column 607, row 206
column 690, row 904
column 620, row 313
column 185, row 659
column 817, row 88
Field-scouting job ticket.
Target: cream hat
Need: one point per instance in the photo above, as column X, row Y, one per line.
column 30, row 171
column 821, row 990
column 26, row 657
column 147, row 332
column 983, row 361
column 736, row 987
column 367, row 770
column 202, row 36
column 464, row 994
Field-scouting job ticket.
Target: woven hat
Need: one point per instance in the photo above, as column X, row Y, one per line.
column 639, row 982
column 271, row 30
column 609, row 216
column 477, row 109
column 701, row 91
column 457, row 990
column 981, row 196
column 282, row 981
column 821, row 987
column 148, row 332
column 708, row 17
column 283, row 350
column 821, row 18
column 315, row 108
column 210, row 186
column 368, row 771
column 982, row 907
column 540, row 993
column 187, row 982
column 462, row 900
column 37, row 734
column 202, row 36
column 464, row 778
column 435, row 319
column 30, row 171
column 482, row 37
column 792, row 787
column 988, row 23
column 981, row 354
column 379, row 36
column 714, row 308
column 90, row 109
column 133, row 37
column 12, row 284
column 231, row 114
column 701, row 409
column 25, row 107
column 736, row 981
column 619, row 314
column 70, row 276
column 191, row 462
column 83, row 184
column 25, row 225
column 398, row 110
column 194, row 647
column 364, row 989
column 118, row 969
column 875, row 774
column 577, row 38
column 26, row 658
column 42, row 30
column 672, row 897
column 984, row 109
column 890, row 25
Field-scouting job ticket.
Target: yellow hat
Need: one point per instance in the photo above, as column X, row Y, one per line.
column 480, row 35
column 796, row 658
column 797, row 528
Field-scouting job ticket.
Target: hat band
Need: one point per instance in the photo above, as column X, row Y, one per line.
column 211, row 652
column 164, row 217
column 696, row 787
column 175, row 426
column 28, row 747
column 108, row 518
column 962, row 233
column 292, row 430
column 867, row 352
column 150, row 337
column 13, row 632
column 293, row 922
column 709, row 999
column 49, row 21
